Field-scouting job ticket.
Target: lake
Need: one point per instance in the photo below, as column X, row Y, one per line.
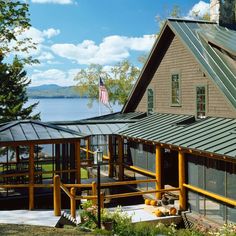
column 67, row 109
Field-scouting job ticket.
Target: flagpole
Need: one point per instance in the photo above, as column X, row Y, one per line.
column 99, row 102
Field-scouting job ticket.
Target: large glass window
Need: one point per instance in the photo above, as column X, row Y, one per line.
column 201, row 101
column 216, row 176
column 175, row 89
column 150, row 100
column 196, row 171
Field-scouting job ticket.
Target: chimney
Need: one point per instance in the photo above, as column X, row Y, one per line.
column 223, row 12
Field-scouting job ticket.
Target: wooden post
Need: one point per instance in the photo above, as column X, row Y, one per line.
column 78, row 162
column 57, row 195
column 120, row 159
column 31, row 177
column 182, row 192
column 17, row 154
column 72, row 203
column 102, row 199
column 94, row 192
column 111, row 158
column 158, row 171
column 87, row 148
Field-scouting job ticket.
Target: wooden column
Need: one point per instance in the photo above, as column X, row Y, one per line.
column 182, row 193
column 87, row 148
column 158, row 171
column 78, row 162
column 120, row 158
column 72, row 203
column 111, row 157
column 94, row 192
column 57, row 195
column 17, row 154
column 31, row 177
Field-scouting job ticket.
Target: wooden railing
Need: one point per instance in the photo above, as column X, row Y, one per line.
column 73, row 198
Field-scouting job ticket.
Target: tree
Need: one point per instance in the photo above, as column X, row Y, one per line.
column 118, row 81
column 13, row 95
column 14, row 20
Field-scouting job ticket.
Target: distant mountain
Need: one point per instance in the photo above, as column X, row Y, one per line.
column 45, row 87
column 53, row 91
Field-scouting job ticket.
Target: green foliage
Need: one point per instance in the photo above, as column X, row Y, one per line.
column 14, row 20
column 13, row 92
column 88, row 215
column 119, row 81
column 122, row 225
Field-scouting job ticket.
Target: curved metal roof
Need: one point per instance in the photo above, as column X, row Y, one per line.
column 33, row 131
column 102, row 125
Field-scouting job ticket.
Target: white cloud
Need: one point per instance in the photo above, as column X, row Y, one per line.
column 112, row 49
column 39, row 37
column 49, row 33
column 53, row 76
column 199, row 10
column 54, row 1
column 45, row 56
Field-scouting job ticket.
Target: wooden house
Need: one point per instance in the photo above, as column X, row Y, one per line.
column 178, row 126
column 188, row 139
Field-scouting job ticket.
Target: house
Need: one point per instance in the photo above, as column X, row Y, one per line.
column 188, row 89
column 178, row 126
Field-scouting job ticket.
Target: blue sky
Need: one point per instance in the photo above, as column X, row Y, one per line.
column 71, row 34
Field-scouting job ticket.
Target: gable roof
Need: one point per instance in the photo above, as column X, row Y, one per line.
column 34, row 131
column 212, row 46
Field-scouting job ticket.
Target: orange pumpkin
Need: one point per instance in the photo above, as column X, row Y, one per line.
column 153, row 202
column 173, row 211
column 147, row 201
column 158, row 213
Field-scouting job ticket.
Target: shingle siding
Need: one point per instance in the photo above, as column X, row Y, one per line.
column 179, row 59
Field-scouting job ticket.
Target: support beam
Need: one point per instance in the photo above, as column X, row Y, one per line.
column 57, row 195
column 182, row 193
column 111, row 157
column 72, row 203
column 94, row 192
column 120, row 159
column 88, row 148
column 158, row 171
column 78, row 162
column 31, row 177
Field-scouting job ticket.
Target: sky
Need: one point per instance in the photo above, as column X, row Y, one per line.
column 72, row 34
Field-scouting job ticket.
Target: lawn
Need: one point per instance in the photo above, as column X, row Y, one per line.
column 20, row 230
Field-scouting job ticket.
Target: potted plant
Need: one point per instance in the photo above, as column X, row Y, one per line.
column 107, row 219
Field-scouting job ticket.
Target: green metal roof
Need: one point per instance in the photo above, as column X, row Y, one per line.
column 30, row 130
column 213, row 135
column 104, row 125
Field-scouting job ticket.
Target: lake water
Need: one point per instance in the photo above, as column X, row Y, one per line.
column 67, row 109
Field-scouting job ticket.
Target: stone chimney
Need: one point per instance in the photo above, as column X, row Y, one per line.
column 223, row 12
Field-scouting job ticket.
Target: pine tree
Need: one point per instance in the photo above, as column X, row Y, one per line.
column 13, row 93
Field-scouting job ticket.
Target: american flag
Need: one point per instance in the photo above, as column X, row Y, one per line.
column 103, row 94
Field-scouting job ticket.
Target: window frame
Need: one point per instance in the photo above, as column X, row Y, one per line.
column 171, row 89
column 206, row 100
column 153, row 101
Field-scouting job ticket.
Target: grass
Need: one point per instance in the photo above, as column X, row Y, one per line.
column 28, row 230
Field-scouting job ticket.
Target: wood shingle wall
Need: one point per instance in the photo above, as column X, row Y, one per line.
column 179, row 60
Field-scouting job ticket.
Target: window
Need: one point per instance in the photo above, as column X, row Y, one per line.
column 201, row 101
column 175, row 89
column 150, row 100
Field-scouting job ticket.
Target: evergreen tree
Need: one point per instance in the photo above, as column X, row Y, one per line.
column 13, row 94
